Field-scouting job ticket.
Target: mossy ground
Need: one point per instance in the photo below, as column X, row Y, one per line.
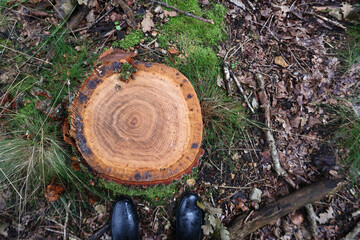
column 48, row 157
column 195, row 39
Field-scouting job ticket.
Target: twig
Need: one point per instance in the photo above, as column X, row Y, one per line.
column 99, row 233
column 269, row 136
column 241, row 45
column 66, row 220
column 231, row 187
column 242, row 91
column 58, row 232
column 312, row 217
column 185, row 13
column 251, row 5
column 227, row 77
column 352, row 235
column 107, row 39
column 330, row 21
column 39, row 59
column 227, row 72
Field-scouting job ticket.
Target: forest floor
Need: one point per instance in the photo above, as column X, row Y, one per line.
column 297, row 65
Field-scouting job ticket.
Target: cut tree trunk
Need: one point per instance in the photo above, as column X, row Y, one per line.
column 283, row 206
column 141, row 131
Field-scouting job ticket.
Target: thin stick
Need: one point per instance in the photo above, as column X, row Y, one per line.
column 242, row 91
column 227, row 72
column 11, row 183
column 11, row 49
column 185, row 13
column 269, row 136
column 330, row 21
column 237, row 49
column 58, row 232
column 66, row 221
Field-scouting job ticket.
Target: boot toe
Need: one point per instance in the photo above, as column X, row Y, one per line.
column 189, row 218
column 125, row 221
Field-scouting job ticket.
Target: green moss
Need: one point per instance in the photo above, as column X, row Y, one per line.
column 157, row 195
column 130, row 40
column 163, row 41
column 190, row 30
column 221, row 114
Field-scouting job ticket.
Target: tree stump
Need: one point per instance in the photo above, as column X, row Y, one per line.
column 141, row 131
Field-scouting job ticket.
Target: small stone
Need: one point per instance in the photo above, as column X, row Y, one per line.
column 254, row 103
column 158, row 9
column 163, row 51
column 255, row 195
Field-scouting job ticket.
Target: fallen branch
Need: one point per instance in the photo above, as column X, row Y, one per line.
column 185, row 13
column 242, row 91
column 238, row 229
column 269, row 136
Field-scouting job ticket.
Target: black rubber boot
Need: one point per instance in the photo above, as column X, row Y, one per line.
column 125, row 221
column 189, row 218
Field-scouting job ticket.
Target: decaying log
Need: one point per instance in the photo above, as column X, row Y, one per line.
column 141, row 131
column 283, row 206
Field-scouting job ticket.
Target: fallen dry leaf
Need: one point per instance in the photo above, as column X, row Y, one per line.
column 173, row 51
column 147, row 23
column 280, row 61
column 75, row 165
column 53, row 191
column 170, row 13
column 326, row 216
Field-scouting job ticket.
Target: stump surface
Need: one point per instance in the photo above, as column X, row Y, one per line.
column 143, row 132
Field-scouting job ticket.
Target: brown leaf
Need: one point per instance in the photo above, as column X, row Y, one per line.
column 281, row 91
column 173, row 51
column 279, row 60
column 53, row 191
column 75, row 166
column 170, row 14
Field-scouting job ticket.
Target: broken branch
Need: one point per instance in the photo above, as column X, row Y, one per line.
column 283, row 207
column 265, row 102
column 185, row 13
